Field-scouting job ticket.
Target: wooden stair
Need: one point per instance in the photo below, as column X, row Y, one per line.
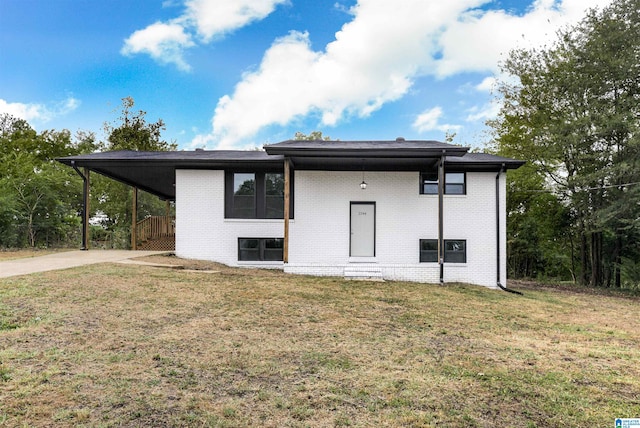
column 156, row 233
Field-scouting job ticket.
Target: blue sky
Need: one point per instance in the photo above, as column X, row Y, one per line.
column 242, row 73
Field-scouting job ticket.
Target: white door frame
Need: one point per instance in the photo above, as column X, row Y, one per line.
column 366, row 227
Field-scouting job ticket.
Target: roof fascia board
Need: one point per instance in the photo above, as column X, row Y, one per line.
column 368, row 153
column 480, row 166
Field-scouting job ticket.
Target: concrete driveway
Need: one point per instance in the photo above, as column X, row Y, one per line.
column 67, row 259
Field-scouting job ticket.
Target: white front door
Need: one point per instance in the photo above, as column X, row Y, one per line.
column 363, row 229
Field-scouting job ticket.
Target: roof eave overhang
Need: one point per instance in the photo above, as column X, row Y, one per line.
column 336, row 158
column 480, row 166
column 366, row 153
column 157, row 176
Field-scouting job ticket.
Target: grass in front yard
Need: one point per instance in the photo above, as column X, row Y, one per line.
column 115, row 345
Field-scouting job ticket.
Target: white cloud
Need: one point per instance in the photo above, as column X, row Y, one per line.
column 163, row 42
column 376, row 57
column 213, row 17
column 166, row 42
column 486, row 112
column 372, row 61
column 488, row 84
column 477, row 39
column 429, row 120
column 34, row 112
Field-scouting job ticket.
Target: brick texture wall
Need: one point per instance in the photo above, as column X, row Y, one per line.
column 319, row 238
column 320, row 233
column 202, row 232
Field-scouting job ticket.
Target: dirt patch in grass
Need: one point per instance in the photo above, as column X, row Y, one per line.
column 189, row 264
column 571, row 288
column 119, row 345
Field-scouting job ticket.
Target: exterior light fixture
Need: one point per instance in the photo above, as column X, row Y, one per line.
column 363, row 185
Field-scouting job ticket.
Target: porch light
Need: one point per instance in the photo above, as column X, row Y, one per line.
column 363, row 185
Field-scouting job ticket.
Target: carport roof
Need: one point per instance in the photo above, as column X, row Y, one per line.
column 154, row 172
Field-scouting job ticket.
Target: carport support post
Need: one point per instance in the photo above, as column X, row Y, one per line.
column 85, row 204
column 134, row 219
column 85, row 209
column 287, row 190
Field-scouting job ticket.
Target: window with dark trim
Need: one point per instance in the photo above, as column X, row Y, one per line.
column 260, row 249
column 455, row 251
column 244, row 195
column 274, row 195
column 454, row 183
column 255, row 195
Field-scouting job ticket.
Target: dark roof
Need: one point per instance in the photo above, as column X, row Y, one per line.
column 182, row 157
column 154, row 172
column 398, row 154
column 483, row 162
column 398, row 148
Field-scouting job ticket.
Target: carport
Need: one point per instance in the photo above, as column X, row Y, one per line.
column 153, row 172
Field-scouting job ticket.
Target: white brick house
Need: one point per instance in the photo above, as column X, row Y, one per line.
column 420, row 211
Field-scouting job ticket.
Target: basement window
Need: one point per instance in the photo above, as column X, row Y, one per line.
column 260, row 249
column 455, row 251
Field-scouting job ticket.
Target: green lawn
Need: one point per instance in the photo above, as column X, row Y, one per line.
column 119, row 345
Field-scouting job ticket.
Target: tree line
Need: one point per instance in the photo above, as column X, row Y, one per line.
column 572, row 111
column 41, row 199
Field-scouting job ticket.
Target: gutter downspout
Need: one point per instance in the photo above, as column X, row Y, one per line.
column 441, row 217
column 84, row 205
column 502, row 287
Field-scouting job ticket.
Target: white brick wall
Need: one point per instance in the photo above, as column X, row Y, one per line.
column 319, row 234
column 202, row 232
column 319, row 237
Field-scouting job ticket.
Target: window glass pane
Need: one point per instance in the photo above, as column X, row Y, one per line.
column 428, row 245
column 454, row 189
column 455, row 251
column 428, row 250
column 274, row 243
column 273, row 249
column 455, row 177
column 274, row 195
column 244, row 195
column 244, row 184
column 274, row 184
column 454, row 183
column 430, row 183
column 430, row 188
column 248, row 249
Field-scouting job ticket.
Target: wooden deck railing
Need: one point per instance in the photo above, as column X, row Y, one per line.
column 155, row 227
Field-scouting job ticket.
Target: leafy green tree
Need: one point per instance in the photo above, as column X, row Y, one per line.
column 313, row 136
column 112, row 199
column 538, row 245
column 39, row 203
column 573, row 113
column 133, row 132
